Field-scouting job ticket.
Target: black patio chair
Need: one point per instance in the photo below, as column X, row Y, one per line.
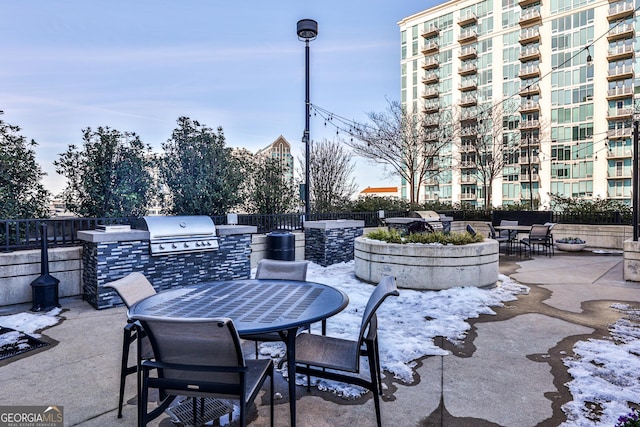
column 539, row 240
column 131, row 289
column 339, row 359
column 281, row 270
column 493, row 234
column 200, row 358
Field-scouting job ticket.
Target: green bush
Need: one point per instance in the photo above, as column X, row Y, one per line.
column 393, row 236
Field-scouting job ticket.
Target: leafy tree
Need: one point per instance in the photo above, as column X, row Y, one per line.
column 109, row 176
column 271, row 191
column 22, row 194
column 201, row 174
column 408, row 141
column 330, row 175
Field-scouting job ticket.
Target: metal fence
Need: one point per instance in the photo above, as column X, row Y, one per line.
column 21, row 234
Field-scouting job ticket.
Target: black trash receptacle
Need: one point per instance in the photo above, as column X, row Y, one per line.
column 281, row 245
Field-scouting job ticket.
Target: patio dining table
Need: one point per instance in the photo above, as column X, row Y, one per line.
column 254, row 305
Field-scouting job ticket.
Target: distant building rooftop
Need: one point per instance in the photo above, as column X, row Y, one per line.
column 380, row 191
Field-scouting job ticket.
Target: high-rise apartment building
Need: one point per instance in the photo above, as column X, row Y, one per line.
column 280, row 149
column 555, row 79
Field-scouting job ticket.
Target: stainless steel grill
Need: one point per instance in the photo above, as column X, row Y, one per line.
column 436, row 221
column 180, row 234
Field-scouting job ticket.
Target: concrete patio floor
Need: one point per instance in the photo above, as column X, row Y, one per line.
column 509, row 372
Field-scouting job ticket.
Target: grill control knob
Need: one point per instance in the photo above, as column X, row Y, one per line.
column 186, row 245
column 174, row 246
column 161, row 246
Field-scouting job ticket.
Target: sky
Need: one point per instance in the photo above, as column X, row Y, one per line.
column 602, row 370
column 138, row 66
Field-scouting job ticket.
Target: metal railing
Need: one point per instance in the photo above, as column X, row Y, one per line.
column 20, row 234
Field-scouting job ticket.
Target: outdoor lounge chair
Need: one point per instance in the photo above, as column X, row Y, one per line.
column 493, row 234
column 339, row 359
column 539, row 240
column 200, row 358
column 131, row 289
column 282, row 270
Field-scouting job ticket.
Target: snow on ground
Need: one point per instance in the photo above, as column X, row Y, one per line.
column 604, row 371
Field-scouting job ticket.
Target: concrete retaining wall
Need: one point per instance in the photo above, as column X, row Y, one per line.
column 19, row 269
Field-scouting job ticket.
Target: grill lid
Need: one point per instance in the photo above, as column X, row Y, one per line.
column 179, row 234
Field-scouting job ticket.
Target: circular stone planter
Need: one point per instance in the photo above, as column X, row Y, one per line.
column 570, row 247
column 432, row 267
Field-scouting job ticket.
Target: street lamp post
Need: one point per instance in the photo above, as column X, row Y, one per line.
column 307, row 31
column 635, row 183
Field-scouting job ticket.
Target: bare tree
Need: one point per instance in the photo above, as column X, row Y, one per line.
column 410, row 142
column 486, row 145
column 331, row 179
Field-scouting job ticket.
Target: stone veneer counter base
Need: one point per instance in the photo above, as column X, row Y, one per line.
column 429, row 267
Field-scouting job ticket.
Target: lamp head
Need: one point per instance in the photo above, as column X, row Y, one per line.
column 307, row 29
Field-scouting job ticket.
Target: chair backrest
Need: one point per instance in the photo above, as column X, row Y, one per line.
column 471, row 230
column 384, row 289
column 210, row 343
column 508, row 233
column 492, row 230
column 551, row 225
column 132, row 288
column 539, row 231
column 277, row 269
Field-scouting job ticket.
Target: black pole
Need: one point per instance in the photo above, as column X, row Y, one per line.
column 634, row 188
column 307, row 140
column 530, row 172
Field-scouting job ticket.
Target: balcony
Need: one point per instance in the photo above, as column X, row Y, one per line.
column 468, row 179
column 431, row 136
column 529, row 35
column 467, row 19
column 431, row 107
column 620, row 73
column 529, row 124
column 467, row 69
column 430, row 78
column 619, row 153
column 468, row 131
column 524, row 160
column 431, row 93
column 624, row 173
column 529, row 90
column 430, row 47
column 524, row 177
column 529, row 53
column 431, row 31
column 524, row 3
column 530, row 16
column 431, row 62
column 467, row 36
column 619, row 133
column 620, row 92
column 467, row 148
column 620, row 52
column 430, row 122
column 620, row 32
column 468, row 100
column 469, row 114
column 620, row 10
column 620, row 113
column 468, row 52
column 529, row 71
column 529, row 106
column 468, row 196
column 467, row 85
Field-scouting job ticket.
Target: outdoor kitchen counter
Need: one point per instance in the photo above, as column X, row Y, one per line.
column 110, row 255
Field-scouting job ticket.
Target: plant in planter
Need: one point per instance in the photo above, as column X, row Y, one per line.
column 570, row 244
